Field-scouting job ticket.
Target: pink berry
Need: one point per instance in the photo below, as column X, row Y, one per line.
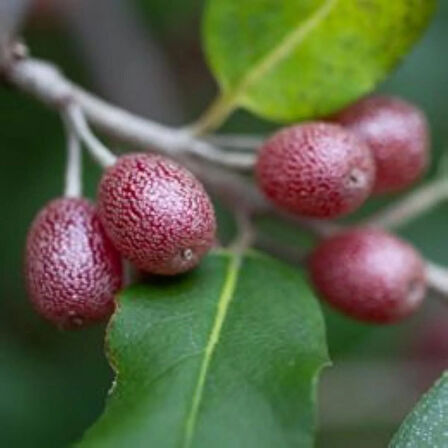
column 157, row 213
column 316, row 169
column 397, row 133
column 72, row 269
column 369, row 275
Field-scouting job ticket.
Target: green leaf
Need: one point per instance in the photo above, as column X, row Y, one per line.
column 225, row 356
column 296, row 59
column 427, row 425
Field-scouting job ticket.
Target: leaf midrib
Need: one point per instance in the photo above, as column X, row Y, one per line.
column 291, row 40
column 225, row 299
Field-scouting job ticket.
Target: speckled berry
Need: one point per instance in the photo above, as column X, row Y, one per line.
column 157, row 213
column 316, row 169
column 369, row 275
column 72, row 269
column 397, row 133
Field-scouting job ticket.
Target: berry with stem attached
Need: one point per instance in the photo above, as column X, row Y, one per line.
column 397, row 133
column 369, row 275
column 156, row 213
column 72, row 269
column 316, row 169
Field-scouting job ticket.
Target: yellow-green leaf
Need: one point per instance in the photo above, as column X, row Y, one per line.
column 296, row 59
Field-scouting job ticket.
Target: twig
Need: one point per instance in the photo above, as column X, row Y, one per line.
column 233, row 188
column 318, row 227
column 246, row 232
column 237, row 141
column 437, row 277
column 73, row 182
column 417, row 203
column 43, row 81
column 237, row 190
column 79, row 125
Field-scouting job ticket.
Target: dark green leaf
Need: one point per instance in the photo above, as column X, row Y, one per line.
column 224, row 357
column 427, row 425
column 295, row 59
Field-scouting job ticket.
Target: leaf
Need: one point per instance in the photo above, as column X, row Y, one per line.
column 223, row 357
column 297, row 59
column 427, row 425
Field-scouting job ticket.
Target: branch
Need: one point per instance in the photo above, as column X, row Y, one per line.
column 437, row 277
column 233, row 188
column 77, row 121
column 417, row 203
column 73, row 170
column 43, row 81
column 237, row 141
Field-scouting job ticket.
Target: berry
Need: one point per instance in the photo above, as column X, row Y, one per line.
column 369, row 275
column 156, row 213
column 72, row 269
column 316, row 169
column 397, row 133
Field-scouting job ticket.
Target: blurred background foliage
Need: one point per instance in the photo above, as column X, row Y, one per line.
column 53, row 384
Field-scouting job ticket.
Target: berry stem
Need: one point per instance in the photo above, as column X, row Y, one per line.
column 412, row 206
column 73, row 170
column 437, row 278
column 246, row 232
column 79, row 124
column 237, row 141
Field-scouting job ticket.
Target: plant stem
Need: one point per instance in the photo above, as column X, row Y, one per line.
column 437, row 278
column 216, row 114
column 415, row 204
column 73, row 171
column 237, row 141
column 246, row 232
column 79, row 125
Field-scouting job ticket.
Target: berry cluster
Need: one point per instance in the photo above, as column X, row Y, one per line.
column 150, row 211
column 156, row 214
column 328, row 169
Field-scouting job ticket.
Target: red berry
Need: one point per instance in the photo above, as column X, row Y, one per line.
column 397, row 133
column 72, row 269
column 316, row 169
column 157, row 213
column 369, row 274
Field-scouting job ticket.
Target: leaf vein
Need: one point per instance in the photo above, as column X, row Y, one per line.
column 225, row 299
column 291, row 40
